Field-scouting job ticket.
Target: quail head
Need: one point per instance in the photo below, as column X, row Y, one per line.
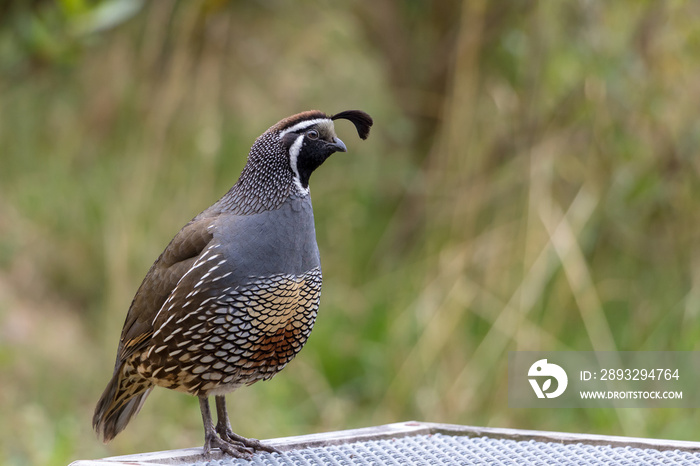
column 234, row 296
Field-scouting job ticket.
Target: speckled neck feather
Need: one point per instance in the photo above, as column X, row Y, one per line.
column 266, row 180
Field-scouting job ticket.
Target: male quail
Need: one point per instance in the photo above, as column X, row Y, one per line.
column 233, row 297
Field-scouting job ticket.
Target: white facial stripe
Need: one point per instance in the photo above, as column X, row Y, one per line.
column 293, row 156
column 303, row 125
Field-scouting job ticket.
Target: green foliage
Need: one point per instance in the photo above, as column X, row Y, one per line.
column 531, row 183
column 41, row 34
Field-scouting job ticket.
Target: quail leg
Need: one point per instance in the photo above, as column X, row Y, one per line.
column 223, row 428
column 212, row 440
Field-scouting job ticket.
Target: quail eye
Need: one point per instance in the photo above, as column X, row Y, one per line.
column 312, row 134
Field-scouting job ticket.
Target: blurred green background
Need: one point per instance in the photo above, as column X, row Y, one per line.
column 531, row 183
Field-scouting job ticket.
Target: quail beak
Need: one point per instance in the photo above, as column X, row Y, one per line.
column 338, row 146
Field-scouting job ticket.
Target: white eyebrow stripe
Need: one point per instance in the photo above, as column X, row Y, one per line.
column 303, row 124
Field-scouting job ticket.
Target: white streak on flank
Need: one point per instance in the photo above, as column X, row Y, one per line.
column 197, row 263
column 185, row 317
column 303, row 125
column 196, row 326
column 219, row 277
column 293, row 156
column 163, row 325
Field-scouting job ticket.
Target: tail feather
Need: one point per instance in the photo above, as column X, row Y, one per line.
column 121, row 400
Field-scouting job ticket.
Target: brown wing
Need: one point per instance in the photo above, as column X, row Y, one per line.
column 160, row 281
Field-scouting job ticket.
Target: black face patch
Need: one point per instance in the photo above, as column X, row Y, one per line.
column 309, row 143
column 308, row 147
column 312, row 154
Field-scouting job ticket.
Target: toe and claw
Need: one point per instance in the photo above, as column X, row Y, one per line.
column 223, row 437
column 250, row 444
column 237, row 450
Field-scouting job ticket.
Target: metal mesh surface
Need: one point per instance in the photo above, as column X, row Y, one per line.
column 440, row 449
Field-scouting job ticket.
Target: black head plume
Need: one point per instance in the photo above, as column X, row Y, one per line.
column 360, row 119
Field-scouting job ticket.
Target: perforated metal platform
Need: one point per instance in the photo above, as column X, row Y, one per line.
column 414, row 443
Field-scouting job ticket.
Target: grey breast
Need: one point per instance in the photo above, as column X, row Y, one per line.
column 280, row 241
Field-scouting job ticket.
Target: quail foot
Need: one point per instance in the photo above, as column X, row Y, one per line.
column 233, row 297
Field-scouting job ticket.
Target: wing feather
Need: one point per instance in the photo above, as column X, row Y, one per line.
column 159, row 283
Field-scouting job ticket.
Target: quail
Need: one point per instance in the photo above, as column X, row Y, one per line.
column 233, row 297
